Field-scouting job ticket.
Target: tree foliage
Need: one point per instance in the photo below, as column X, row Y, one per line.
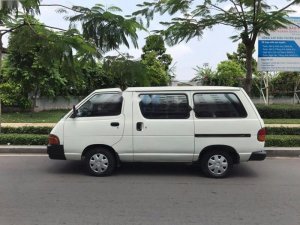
column 125, row 72
column 207, row 75
column 44, row 62
column 230, row 73
column 50, row 61
column 11, row 95
column 240, row 57
column 285, row 83
column 107, row 29
column 247, row 17
column 157, row 62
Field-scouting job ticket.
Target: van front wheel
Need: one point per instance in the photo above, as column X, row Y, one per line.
column 216, row 164
column 100, row 162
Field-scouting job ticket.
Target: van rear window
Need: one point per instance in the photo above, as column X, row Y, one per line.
column 218, row 105
column 164, row 106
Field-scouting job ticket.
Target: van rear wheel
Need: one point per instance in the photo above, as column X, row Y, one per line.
column 216, row 164
column 100, row 162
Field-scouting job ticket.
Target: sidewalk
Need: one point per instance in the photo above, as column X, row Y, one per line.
column 28, row 124
column 42, row 149
column 282, row 125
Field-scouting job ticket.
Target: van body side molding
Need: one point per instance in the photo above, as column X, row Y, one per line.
column 223, row 135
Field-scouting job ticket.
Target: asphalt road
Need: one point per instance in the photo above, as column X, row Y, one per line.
column 37, row 191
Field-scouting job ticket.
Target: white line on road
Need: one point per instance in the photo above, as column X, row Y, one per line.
column 22, row 155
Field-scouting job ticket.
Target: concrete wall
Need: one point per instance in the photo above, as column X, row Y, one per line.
column 45, row 103
column 277, row 100
column 67, row 103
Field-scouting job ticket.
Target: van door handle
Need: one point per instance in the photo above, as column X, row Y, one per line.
column 139, row 126
column 115, row 124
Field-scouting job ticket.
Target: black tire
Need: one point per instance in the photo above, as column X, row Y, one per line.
column 216, row 164
column 104, row 162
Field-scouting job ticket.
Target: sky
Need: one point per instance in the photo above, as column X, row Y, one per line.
column 211, row 48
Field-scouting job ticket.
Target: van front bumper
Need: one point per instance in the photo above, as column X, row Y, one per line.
column 258, row 156
column 56, row 152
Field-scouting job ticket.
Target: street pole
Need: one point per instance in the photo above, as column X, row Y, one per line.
column 267, row 88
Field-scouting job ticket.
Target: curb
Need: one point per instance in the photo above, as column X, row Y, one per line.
column 42, row 149
column 282, row 151
column 23, row 149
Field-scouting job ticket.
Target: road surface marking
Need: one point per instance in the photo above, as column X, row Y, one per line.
column 22, row 155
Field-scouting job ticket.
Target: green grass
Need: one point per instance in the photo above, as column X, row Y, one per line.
column 37, row 117
column 282, row 121
column 55, row 115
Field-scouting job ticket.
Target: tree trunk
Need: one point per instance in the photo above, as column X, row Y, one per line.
column 34, row 97
column 248, row 81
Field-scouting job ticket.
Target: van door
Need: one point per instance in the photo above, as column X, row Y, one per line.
column 163, row 129
column 99, row 120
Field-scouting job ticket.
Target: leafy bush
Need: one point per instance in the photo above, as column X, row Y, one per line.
column 35, row 139
column 23, row 139
column 283, row 141
column 26, row 130
column 283, row 130
column 279, row 111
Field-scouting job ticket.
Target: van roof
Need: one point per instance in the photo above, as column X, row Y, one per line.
column 171, row 88
column 182, row 88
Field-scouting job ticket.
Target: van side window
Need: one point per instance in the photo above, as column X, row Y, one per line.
column 106, row 104
column 164, row 106
column 218, row 105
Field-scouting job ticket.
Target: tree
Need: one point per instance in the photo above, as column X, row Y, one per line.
column 57, row 55
column 106, row 29
column 240, row 57
column 247, row 17
column 206, row 75
column 43, row 62
column 156, row 60
column 285, row 83
column 229, row 73
column 92, row 77
column 125, row 72
column 9, row 12
column 155, row 44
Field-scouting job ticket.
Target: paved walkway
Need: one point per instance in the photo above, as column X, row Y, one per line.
column 282, row 125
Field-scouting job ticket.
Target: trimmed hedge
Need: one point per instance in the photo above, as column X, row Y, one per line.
column 283, row 130
column 26, row 130
column 23, row 139
column 283, row 141
column 34, row 139
column 279, row 111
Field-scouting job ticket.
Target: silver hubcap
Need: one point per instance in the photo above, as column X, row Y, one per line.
column 217, row 164
column 99, row 163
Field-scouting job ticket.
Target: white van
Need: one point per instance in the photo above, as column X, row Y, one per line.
column 214, row 126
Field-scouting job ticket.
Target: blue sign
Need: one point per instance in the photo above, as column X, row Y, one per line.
column 278, row 48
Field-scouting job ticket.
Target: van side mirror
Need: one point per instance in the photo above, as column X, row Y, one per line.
column 74, row 112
